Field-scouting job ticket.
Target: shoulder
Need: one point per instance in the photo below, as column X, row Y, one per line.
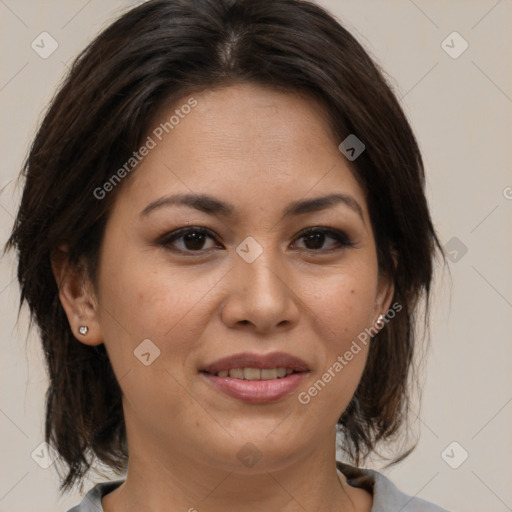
column 92, row 500
column 386, row 496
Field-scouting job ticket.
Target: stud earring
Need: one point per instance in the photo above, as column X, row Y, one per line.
column 83, row 329
column 380, row 320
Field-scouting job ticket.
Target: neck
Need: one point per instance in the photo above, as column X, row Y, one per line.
column 171, row 479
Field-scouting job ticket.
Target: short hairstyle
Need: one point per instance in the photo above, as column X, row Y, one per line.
column 153, row 55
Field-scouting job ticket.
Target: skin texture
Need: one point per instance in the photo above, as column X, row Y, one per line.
column 259, row 150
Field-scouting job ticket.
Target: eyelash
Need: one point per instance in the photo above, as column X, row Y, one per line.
column 342, row 240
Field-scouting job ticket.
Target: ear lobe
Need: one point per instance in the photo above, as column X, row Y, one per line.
column 76, row 297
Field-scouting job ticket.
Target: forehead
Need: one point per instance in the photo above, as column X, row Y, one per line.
column 245, row 143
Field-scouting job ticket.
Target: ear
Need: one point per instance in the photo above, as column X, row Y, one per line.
column 385, row 291
column 77, row 297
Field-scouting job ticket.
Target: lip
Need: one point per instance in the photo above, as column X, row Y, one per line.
column 256, row 391
column 261, row 361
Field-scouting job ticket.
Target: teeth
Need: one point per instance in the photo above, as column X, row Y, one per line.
column 273, row 373
column 252, row 373
column 255, row 373
column 236, row 373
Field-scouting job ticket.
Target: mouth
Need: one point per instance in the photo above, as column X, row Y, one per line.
column 256, row 378
column 252, row 366
column 255, row 373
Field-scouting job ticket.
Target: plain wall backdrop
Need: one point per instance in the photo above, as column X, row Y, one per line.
column 456, row 89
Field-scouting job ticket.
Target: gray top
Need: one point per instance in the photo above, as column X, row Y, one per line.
column 386, row 496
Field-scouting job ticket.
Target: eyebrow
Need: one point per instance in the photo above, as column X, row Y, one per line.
column 211, row 205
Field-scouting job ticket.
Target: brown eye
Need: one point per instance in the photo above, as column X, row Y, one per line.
column 195, row 240
column 315, row 238
column 191, row 239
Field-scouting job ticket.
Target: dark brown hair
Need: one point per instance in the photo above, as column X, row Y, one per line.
column 152, row 55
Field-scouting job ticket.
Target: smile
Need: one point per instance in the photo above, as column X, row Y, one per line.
column 255, row 373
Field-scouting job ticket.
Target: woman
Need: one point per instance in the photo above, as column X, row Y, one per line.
column 224, row 241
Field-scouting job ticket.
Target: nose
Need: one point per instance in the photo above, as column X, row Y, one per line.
column 260, row 296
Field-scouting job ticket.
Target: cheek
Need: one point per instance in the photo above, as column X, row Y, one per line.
column 145, row 300
column 344, row 305
column 140, row 302
column 342, row 310
column 150, row 298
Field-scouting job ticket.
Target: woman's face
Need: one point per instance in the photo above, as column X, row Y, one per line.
column 244, row 279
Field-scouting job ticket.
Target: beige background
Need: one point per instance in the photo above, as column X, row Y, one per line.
column 461, row 110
